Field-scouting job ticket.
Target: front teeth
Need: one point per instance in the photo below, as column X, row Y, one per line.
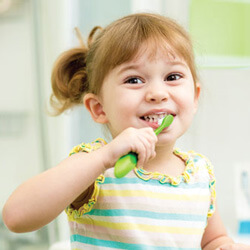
column 157, row 118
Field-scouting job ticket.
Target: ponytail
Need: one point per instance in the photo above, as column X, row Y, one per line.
column 69, row 76
column 69, row 80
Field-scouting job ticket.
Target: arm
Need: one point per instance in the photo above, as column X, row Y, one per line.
column 215, row 236
column 215, row 233
column 42, row 198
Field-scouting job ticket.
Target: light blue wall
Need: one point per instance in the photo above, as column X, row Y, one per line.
column 101, row 13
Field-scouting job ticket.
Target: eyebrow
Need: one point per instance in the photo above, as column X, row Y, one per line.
column 179, row 63
column 134, row 66
column 128, row 67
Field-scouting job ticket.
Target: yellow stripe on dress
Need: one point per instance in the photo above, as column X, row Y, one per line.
column 141, row 227
column 162, row 196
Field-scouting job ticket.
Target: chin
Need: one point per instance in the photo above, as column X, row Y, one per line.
column 166, row 142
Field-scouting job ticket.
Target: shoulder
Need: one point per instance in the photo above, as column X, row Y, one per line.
column 203, row 172
column 198, row 157
column 88, row 147
column 197, row 164
column 194, row 158
column 202, row 162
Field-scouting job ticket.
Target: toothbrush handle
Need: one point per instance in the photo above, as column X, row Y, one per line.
column 165, row 123
column 128, row 162
column 125, row 164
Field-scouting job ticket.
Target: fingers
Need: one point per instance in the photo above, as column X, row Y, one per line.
column 141, row 141
column 145, row 148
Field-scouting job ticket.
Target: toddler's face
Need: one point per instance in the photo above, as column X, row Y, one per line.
column 136, row 93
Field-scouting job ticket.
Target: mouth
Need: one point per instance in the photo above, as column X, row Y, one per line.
column 155, row 118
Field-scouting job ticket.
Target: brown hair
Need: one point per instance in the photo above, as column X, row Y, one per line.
column 82, row 70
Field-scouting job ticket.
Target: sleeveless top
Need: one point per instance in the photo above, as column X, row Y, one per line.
column 145, row 210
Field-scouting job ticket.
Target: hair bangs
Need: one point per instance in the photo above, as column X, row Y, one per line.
column 122, row 42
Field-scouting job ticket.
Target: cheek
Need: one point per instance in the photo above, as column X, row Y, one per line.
column 128, row 101
column 186, row 102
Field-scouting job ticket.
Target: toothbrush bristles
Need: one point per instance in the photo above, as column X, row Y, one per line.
column 160, row 120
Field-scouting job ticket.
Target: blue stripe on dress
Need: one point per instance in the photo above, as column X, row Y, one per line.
column 147, row 214
column 153, row 182
column 120, row 245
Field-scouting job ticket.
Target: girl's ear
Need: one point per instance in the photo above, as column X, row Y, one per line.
column 95, row 108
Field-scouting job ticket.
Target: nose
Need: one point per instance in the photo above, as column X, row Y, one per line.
column 156, row 94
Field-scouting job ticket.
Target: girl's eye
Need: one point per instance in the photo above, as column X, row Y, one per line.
column 174, row 77
column 134, row 80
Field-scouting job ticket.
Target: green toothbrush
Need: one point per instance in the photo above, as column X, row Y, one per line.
column 128, row 162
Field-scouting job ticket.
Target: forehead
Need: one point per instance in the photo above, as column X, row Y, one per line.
column 152, row 51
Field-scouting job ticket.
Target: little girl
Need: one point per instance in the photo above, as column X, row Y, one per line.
column 135, row 71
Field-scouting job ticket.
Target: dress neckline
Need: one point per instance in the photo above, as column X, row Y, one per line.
column 185, row 176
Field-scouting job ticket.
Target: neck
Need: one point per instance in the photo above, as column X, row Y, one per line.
column 166, row 162
column 164, row 154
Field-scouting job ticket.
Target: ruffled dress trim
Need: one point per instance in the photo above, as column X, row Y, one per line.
column 88, row 147
column 87, row 207
column 186, row 176
column 212, row 184
column 190, row 170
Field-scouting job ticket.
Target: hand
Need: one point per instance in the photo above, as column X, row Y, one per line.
column 233, row 246
column 141, row 141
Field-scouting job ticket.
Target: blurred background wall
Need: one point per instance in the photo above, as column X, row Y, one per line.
column 34, row 32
